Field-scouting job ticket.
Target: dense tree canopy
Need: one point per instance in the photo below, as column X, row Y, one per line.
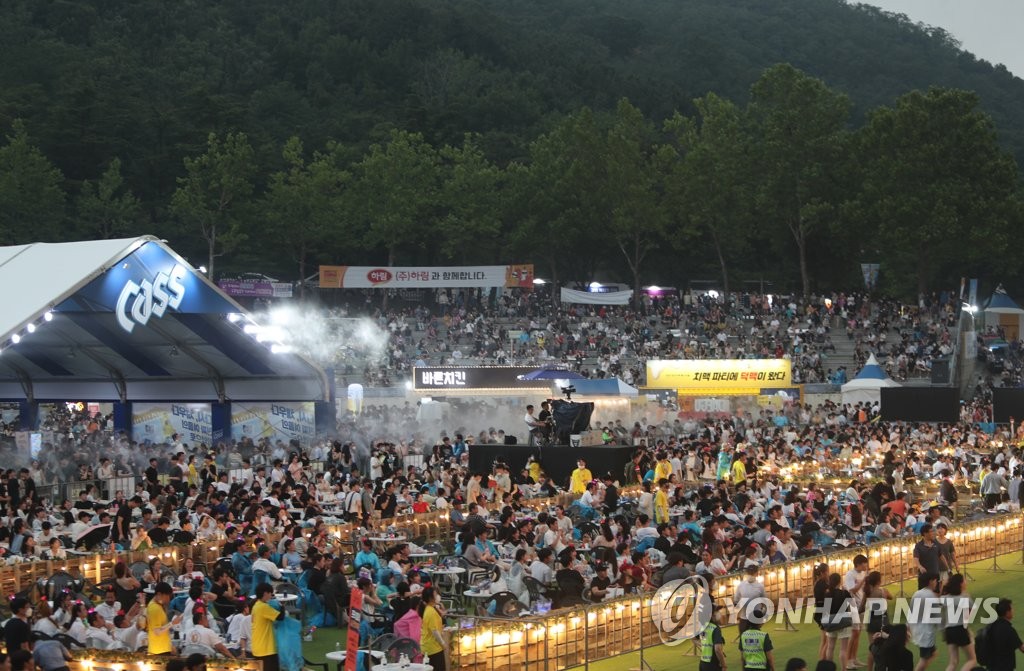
column 663, row 141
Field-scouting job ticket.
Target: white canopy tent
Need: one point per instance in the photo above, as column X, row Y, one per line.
column 865, row 388
column 120, row 320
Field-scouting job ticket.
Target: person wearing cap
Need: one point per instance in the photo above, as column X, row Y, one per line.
column 158, row 627
column 756, row 645
column 600, row 583
column 712, row 646
column 264, row 564
column 747, row 593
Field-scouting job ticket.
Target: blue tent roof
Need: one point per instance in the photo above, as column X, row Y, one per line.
column 608, row 387
column 871, row 371
column 1000, row 302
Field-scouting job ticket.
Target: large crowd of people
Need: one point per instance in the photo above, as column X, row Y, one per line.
column 730, row 494
column 708, row 498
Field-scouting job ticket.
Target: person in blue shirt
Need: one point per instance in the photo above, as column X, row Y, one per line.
column 724, row 463
column 459, row 446
column 291, row 557
column 367, row 558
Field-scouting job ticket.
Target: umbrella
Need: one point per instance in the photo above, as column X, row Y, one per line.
column 92, row 536
column 551, row 374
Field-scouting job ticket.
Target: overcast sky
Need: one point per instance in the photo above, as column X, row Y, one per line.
column 990, row 29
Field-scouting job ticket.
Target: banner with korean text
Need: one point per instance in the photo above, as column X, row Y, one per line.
column 719, row 376
column 425, row 277
column 276, row 421
column 158, row 422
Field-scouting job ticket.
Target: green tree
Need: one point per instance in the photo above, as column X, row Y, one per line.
column 710, row 184
column 31, row 192
column 632, row 192
column 474, row 196
column 106, row 208
column 798, row 126
column 214, row 194
column 305, row 204
column 395, row 192
column 938, row 191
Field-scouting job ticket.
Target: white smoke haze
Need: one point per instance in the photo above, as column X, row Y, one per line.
column 327, row 338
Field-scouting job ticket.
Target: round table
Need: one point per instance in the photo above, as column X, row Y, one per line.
column 281, row 598
column 150, row 590
column 387, row 539
column 403, row 667
column 422, row 555
column 473, row 594
column 340, row 655
column 444, row 570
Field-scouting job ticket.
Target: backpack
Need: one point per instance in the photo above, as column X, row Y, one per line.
column 981, row 645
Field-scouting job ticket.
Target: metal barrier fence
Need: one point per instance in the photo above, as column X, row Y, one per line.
column 580, row 635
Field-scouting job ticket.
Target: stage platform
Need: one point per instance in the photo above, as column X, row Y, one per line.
column 558, row 461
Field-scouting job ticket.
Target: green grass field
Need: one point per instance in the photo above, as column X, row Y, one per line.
column 982, row 582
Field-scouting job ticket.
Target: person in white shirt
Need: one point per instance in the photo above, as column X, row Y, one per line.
column 746, row 592
column 540, row 569
column 110, row 606
column 264, row 564
column 923, row 630
column 239, row 632
column 644, row 529
column 98, row 632
column 853, row 582
column 201, row 634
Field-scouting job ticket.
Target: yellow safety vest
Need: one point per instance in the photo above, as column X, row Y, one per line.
column 707, row 642
column 752, row 649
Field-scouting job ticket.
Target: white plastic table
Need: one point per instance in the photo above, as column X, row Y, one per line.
column 403, row 667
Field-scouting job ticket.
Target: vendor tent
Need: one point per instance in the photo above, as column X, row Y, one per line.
column 1003, row 312
column 612, row 386
column 865, row 387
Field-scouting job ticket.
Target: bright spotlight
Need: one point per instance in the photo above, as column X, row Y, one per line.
column 713, row 294
column 538, row 280
column 15, row 338
column 202, row 269
column 233, row 317
column 594, row 286
column 251, row 329
column 408, row 385
column 48, row 316
column 31, row 328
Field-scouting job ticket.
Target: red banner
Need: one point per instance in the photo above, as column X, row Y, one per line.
column 355, row 617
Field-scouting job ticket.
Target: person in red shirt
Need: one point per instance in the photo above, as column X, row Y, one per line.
column 899, row 506
column 418, row 504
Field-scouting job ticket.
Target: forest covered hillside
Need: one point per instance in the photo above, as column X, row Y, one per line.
column 141, row 84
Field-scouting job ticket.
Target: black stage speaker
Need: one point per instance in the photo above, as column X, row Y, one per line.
column 920, row 404
column 511, row 440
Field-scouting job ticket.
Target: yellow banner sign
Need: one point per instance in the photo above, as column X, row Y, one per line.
column 720, row 374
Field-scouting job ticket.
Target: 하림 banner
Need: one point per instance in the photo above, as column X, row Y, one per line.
column 425, row 277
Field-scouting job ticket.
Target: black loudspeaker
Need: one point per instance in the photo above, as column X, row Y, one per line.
column 570, row 418
column 511, row 440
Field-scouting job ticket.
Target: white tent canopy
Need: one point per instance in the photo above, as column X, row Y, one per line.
column 865, row 388
column 129, row 319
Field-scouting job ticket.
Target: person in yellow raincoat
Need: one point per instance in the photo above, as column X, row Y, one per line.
column 580, row 477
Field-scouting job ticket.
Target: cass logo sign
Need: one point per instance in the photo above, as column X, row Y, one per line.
column 138, row 302
column 379, row 276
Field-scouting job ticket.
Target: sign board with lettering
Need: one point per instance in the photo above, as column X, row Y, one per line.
column 425, row 277
column 455, row 378
column 276, row 421
column 145, row 286
column 157, row 422
column 719, row 376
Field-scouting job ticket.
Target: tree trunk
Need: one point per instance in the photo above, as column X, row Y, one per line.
column 211, row 251
column 801, row 244
column 391, row 264
column 721, row 262
column 302, row 271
